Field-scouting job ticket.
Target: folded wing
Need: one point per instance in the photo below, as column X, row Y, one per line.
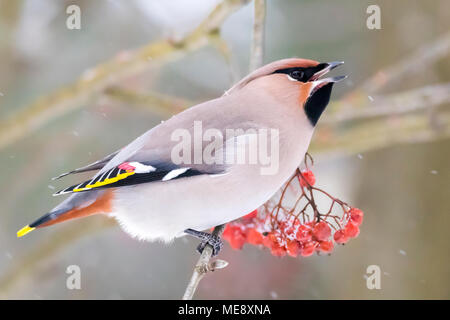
column 131, row 173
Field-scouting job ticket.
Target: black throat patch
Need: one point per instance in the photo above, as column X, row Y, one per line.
column 317, row 103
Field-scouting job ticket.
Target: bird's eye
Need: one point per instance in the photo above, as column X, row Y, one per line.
column 297, row 75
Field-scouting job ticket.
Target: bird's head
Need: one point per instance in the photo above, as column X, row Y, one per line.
column 302, row 77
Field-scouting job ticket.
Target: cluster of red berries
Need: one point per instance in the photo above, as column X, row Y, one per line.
column 242, row 231
column 288, row 235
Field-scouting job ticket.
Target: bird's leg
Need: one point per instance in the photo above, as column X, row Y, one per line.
column 206, row 238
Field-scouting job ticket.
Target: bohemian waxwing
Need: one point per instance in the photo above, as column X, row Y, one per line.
column 209, row 164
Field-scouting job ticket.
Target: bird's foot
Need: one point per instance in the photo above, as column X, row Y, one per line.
column 207, row 238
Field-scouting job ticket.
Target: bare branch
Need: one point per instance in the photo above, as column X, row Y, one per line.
column 204, row 265
column 257, row 49
column 375, row 133
column 385, row 122
column 155, row 102
column 418, row 99
column 97, row 79
column 354, row 135
column 425, row 56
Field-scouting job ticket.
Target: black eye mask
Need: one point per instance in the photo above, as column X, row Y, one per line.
column 302, row 74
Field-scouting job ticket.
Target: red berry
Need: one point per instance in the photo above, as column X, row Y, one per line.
column 304, row 233
column 340, row 237
column 254, row 237
column 228, row 231
column 267, row 242
column 356, row 216
column 278, row 251
column 325, row 246
column 322, row 231
column 238, row 241
column 293, row 248
column 270, row 240
column 289, row 231
column 235, row 236
column 273, row 237
column 251, row 215
column 308, row 248
column 309, row 177
column 351, row 230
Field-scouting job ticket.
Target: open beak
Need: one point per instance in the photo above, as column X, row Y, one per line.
column 319, row 83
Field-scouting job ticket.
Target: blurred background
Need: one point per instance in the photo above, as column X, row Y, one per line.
column 70, row 97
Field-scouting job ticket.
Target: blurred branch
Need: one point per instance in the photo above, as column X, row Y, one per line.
column 393, row 104
column 388, row 120
column 257, row 46
column 97, row 79
column 46, row 248
column 155, row 102
column 204, row 265
column 380, row 132
column 425, row 56
column 385, row 121
column 355, row 124
column 221, row 46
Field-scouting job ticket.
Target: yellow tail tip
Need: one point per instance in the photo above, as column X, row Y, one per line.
column 24, row 231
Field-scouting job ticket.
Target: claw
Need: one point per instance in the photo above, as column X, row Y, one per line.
column 214, row 241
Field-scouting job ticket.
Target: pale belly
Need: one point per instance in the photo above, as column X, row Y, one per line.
column 163, row 210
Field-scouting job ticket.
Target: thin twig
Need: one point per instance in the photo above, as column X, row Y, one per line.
column 203, row 266
column 223, row 48
column 257, row 46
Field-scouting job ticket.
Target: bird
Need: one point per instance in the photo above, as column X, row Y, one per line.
column 165, row 185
